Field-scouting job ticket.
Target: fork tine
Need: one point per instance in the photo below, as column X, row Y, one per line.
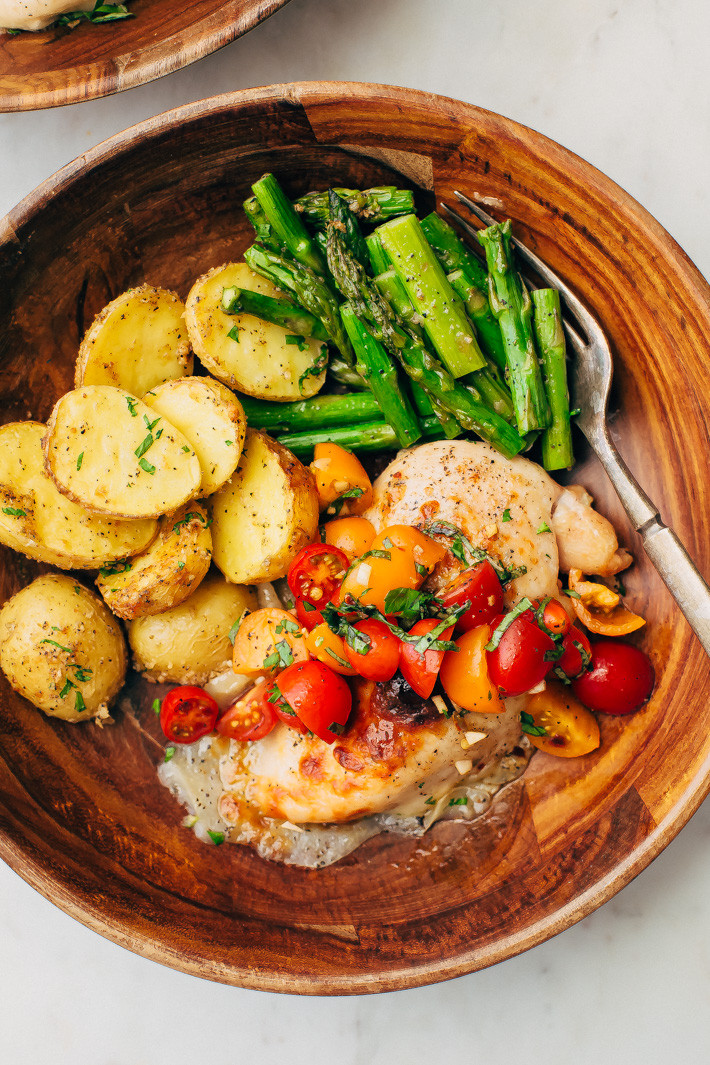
column 576, row 340
column 583, row 316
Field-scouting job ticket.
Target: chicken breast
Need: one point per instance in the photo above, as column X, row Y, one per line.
column 400, row 753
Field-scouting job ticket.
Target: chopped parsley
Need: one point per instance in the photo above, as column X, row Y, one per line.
column 431, row 801
column 145, row 465
column 185, row 447
column 462, row 800
column 131, row 403
column 216, row 837
column 79, row 703
column 336, row 728
column 169, row 752
column 194, row 515
column 506, row 514
column 156, row 706
column 122, row 566
column 79, row 461
column 527, row 724
column 543, row 528
column 233, row 333
column 59, row 645
column 299, row 340
column 14, row 512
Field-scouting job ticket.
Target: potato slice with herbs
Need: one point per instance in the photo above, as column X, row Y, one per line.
column 109, row 452
column 210, row 417
column 246, row 353
column 36, row 519
column 61, row 648
column 265, row 513
column 136, row 342
column 192, row 642
column 164, row 575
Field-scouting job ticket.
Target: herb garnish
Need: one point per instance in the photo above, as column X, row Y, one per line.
column 337, row 505
column 527, row 724
column 233, row 333
column 507, row 621
column 461, row 546
column 145, row 465
column 543, row 528
column 14, row 512
column 122, row 566
column 317, row 366
column 101, row 13
column 193, row 515
column 300, row 341
column 462, row 800
column 216, row 837
column 169, row 752
column 79, row 461
column 282, row 655
column 506, row 515
column 156, row 706
column 131, row 403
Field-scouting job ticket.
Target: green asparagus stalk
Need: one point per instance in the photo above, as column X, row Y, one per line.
column 379, row 263
column 511, row 304
column 286, row 223
column 443, row 318
column 547, row 321
column 341, row 215
column 280, row 312
column 380, row 373
column 479, row 311
column 369, row 205
column 264, row 232
column 311, row 291
column 370, row 436
column 320, row 412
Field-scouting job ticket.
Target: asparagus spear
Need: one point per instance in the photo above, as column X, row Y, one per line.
column 370, row 205
column 479, row 311
column 512, row 307
column 547, row 321
column 312, row 292
column 442, row 316
column 342, row 216
column 379, row 262
column 280, row 312
column 286, row 223
column 380, row 373
column 320, row 412
column 370, row 436
column 264, row 232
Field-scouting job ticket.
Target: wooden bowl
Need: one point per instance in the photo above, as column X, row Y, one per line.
column 84, row 819
column 62, row 66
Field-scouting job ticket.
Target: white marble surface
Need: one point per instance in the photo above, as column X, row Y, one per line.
column 625, row 84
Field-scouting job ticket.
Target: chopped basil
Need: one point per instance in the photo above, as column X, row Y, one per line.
column 81, row 673
column 233, row 333
column 14, row 512
column 232, row 634
column 507, row 621
column 410, row 605
column 144, row 445
column 336, row 658
column 131, row 403
column 282, row 656
column 431, row 801
column 68, row 685
column 101, row 13
column 506, row 514
column 317, row 366
column 337, row 505
column 571, row 593
column 216, row 837
column 79, row 461
column 181, row 565
column 59, row 645
column 79, row 703
column 527, row 724
column 584, row 653
column 145, row 465
column 169, row 752
column 286, row 625
column 421, row 570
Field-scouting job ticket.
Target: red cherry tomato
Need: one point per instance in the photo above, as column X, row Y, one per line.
column 518, row 662
column 572, row 662
column 187, row 713
column 619, row 681
column 481, row 588
column 317, row 572
column 381, row 659
column 281, row 708
column 308, row 616
column 555, row 617
column 251, row 717
column 320, row 698
column 420, row 669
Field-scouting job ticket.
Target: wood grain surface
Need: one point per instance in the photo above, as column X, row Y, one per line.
column 82, row 816
column 65, row 66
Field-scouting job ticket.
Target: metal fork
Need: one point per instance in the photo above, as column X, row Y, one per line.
column 591, row 372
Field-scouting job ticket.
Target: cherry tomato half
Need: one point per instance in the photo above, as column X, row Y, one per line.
column 555, row 617
column 378, row 661
column 319, row 697
column 480, row 587
column 251, row 717
column 619, row 681
column 187, row 714
column 518, row 662
column 282, row 709
column 420, row 669
column 316, row 573
column 572, row 661
column 309, row 617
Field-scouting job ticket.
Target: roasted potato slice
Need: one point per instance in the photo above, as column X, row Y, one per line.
column 190, row 643
column 109, row 452
column 136, row 342
column 164, row 575
column 61, row 648
column 265, row 513
column 36, row 519
column 210, row 417
column 244, row 352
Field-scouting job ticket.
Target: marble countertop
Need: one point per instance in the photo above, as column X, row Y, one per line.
column 624, row 83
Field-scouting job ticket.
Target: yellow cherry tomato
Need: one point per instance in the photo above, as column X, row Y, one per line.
column 328, row 648
column 268, row 640
column 353, row 535
column 337, row 472
column 425, row 551
column 372, row 578
column 571, row 729
column 464, row 673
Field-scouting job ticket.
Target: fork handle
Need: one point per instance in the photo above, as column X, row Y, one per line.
column 674, row 564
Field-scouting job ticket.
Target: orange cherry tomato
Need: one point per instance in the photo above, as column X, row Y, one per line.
column 319, row 698
column 251, row 717
column 570, row 730
column 464, row 673
column 373, row 577
column 555, row 618
column 342, row 483
column 480, row 587
column 187, row 713
column 329, row 648
column 421, row 668
column 316, row 573
column 353, row 535
column 377, row 660
column 425, row 551
column 267, row 640
column 307, row 615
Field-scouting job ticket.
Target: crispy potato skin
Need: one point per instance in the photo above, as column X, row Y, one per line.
column 93, row 452
column 265, row 513
column 259, row 363
column 53, row 632
column 37, row 520
column 136, row 342
column 167, row 573
column 210, row 417
column 190, row 643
